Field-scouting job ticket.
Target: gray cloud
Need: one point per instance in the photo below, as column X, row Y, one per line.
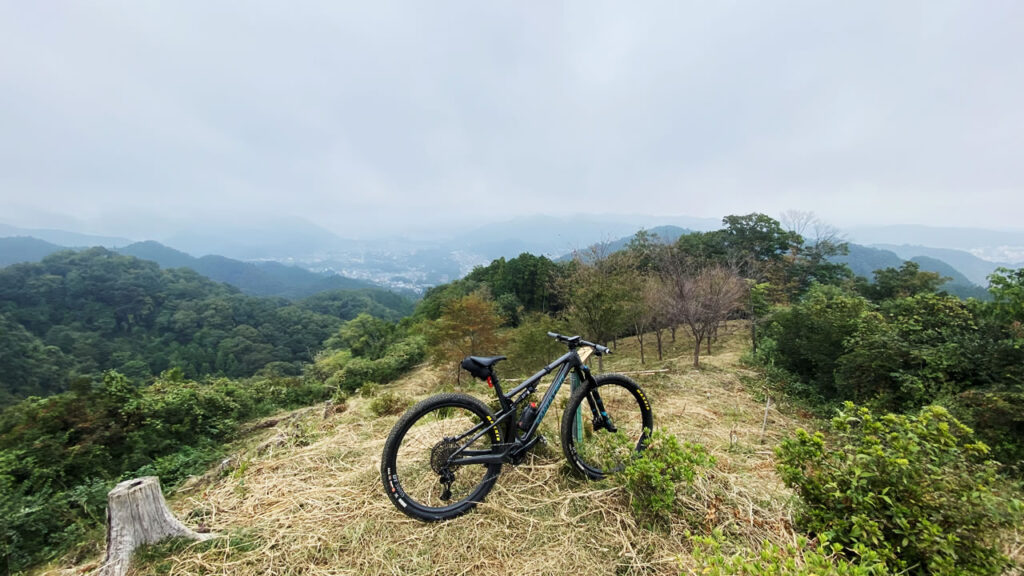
column 371, row 117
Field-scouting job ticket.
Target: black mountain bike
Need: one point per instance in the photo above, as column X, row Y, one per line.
column 445, row 453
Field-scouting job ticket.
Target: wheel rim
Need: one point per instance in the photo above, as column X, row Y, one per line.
column 420, row 461
column 599, row 450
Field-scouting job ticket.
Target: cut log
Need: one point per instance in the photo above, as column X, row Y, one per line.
column 137, row 514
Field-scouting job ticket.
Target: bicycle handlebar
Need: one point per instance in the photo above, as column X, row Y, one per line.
column 576, row 341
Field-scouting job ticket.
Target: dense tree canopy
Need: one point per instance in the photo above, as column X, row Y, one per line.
column 80, row 313
column 907, row 280
column 911, row 348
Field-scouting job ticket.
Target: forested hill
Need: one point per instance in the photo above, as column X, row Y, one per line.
column 253, row 278
column 24, row 249
column 864, row 261
column 80, row 313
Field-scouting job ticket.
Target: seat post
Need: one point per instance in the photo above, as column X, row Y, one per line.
column 493, row 381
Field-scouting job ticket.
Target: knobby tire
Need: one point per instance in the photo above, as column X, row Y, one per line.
column 590, row 448
column 412, row 464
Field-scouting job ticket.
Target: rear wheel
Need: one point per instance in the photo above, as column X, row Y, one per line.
column 417, row 467
column 607, row 421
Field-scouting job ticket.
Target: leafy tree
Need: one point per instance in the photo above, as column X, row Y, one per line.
column 28, row 367
column 437, row 297
column 467, row 327
column 645, row 252
column 995, row 408
column 529, row 347
column 701, row 249
column 758, row 306
column 907, row 280
column 920, row 350
column 81, row 313
column 510, row 308
column 597, row 298
column 756, row 241
column 1007, row 289
column 347, row 304
column 525, row 280
column 366, row 336
column 808, row 338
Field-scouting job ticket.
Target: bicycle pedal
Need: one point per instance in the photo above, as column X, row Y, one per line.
column 542, row 439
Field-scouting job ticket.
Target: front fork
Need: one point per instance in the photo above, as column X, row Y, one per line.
column 600, row 416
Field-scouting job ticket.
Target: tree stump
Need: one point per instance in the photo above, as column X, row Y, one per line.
column 137, row 514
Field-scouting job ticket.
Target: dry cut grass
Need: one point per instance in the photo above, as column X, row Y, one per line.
column 313, row 503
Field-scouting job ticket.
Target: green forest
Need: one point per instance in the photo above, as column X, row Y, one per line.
column 111, row 367
column 79, row 314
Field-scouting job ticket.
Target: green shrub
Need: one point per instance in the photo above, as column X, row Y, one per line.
column 348, row 372
column 916, row 489
column 388, row 403
column 922, row 349
column 808, row 338
column 653, row 478
column 821, row 558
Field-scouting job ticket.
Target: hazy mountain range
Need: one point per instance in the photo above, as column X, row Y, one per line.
column 264, row 278
column 293, row 258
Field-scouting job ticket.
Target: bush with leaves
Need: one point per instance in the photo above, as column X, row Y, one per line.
column 389, row 403
column 653, row 478
column 529, row 347
column 916, row 489
column 347, row 372
column 808, row 338
column 805, row 558
column 921, row 349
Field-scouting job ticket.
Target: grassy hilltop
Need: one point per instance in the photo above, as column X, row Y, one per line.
column 887, row 374
column 305, row 497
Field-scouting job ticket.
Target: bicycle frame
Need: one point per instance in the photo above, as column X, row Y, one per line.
column 568, row 362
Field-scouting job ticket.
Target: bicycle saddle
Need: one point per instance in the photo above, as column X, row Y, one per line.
column 481, row 366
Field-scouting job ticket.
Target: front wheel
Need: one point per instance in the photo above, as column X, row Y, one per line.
column 419, row 465
column 607, row 421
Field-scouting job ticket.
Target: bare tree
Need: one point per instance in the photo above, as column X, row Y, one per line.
column 705, row 299
column 798, row 221
column 661, row 308
column 814, row 230
column 647, row 310
column 811, row 260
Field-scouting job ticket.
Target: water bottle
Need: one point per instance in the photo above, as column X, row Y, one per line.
column 528, row 416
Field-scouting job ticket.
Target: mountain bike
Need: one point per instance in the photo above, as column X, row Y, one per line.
column 445, row 453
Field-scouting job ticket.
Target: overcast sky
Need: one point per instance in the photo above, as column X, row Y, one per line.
column 366, row 117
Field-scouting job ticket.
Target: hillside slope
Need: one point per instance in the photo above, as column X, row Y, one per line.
column 975, row 269
column 306, row 497
column 253, row 278
column 17, row 249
